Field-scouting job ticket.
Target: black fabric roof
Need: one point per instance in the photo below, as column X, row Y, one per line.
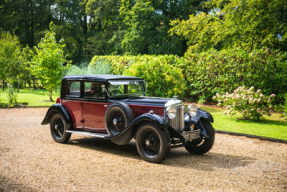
column 101, row 78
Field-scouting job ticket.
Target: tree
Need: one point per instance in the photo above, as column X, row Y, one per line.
column 147, row 25
column 48, row 60
column 247, row 24
column 11, row 58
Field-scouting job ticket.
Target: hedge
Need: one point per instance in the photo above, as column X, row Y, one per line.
column 207, row 73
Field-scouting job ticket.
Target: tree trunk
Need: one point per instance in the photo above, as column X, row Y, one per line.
column 50, row 94
column 34, row 84
column 3, row 85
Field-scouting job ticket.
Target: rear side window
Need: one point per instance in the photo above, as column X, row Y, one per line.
column 95, row 90
column 73, row 89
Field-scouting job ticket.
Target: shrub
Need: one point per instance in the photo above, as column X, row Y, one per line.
column 11, row 96
column 163, row 80
column 250, row 103
column 103, row 67
column 212, row 72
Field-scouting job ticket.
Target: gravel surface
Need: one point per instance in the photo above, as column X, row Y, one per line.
column 31, row 161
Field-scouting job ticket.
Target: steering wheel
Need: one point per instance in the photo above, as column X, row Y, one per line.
column 116, row 92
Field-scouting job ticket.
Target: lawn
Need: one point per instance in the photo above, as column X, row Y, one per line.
column 273, row 127
column 32, row 97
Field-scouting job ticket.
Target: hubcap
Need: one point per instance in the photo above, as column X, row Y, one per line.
column 151, row 142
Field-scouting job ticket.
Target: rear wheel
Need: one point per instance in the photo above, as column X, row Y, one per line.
column 152, row 143
column 202, row 145
column 58, row 127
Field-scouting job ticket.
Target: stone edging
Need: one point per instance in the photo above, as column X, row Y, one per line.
column 252, row 136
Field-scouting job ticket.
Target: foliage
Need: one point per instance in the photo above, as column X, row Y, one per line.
column 285, row 105
column 11, row 96
column 11, row 58
column 120, row 63
column 223, row 71
column 163, row 80
column 102, row 67
column 47, row 62
column 147, row 25
column 160, row 72
column 250, row 103
column 245, row 24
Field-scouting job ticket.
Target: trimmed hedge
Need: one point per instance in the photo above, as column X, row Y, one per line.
column 203, row 75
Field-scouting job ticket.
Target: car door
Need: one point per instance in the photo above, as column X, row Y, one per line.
column 94, row 107
column 72, row 101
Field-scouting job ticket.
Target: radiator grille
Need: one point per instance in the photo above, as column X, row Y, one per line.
column 178, row 122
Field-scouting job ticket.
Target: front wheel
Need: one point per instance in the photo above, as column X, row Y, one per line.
column 202, row 145
column 152, row 143
column 58, row 127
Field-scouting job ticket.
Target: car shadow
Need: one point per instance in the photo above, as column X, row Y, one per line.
column 176, row 158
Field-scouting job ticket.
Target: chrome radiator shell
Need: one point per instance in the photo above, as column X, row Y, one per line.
column 178, row 122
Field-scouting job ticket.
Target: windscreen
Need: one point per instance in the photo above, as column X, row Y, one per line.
column 126, row 88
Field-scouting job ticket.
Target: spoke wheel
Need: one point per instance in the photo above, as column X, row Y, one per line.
column 118, row 121
column 152, row 143
column 202, row 145
column 118, row 116
column 58, row 127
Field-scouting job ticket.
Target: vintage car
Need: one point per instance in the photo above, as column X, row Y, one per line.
column 116, row 108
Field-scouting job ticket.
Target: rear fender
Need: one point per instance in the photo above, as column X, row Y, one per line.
column 60, row 109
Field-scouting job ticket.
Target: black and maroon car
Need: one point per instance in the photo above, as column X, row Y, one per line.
column 116, row 108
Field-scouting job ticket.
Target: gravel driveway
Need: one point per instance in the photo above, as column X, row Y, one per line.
column 31, row 161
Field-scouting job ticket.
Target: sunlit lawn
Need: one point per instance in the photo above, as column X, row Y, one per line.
column 32, row 97
column 273, row 126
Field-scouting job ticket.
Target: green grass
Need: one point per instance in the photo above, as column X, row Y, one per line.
column 272, row 127
column 32, row 97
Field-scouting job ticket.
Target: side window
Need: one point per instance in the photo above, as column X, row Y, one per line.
column 95, row 90
column 73, row 88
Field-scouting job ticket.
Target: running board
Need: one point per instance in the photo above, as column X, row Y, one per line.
column 98, row 135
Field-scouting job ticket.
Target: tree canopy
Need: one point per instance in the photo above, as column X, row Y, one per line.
column 128, row 27
column 247, row 24
column 48, row 60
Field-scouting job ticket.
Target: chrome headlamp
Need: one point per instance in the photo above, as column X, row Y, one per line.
column 171, row 112
column 192, row 110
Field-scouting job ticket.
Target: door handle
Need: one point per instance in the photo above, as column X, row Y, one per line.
column 105, row 105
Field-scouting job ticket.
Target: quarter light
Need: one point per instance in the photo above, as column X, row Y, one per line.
column 192, row 110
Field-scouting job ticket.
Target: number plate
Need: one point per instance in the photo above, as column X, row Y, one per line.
column 190, row 135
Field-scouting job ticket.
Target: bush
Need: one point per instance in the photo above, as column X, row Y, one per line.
column 250, row 103
column 223, row 71
column 163, row 80
column 11, row 96
column 103, row 67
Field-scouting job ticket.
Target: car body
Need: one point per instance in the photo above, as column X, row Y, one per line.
column 115, row 107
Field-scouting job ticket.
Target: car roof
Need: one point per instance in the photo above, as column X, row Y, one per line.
column 101, row 78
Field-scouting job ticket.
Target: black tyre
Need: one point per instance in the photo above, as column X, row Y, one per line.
column 152, row 143
column 202, row 145
column 118, row 116
column 58, row 127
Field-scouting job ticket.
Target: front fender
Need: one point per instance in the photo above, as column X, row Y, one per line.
column 202, row 114
column 60, row 109
column 122, row 137
column 197, row 122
